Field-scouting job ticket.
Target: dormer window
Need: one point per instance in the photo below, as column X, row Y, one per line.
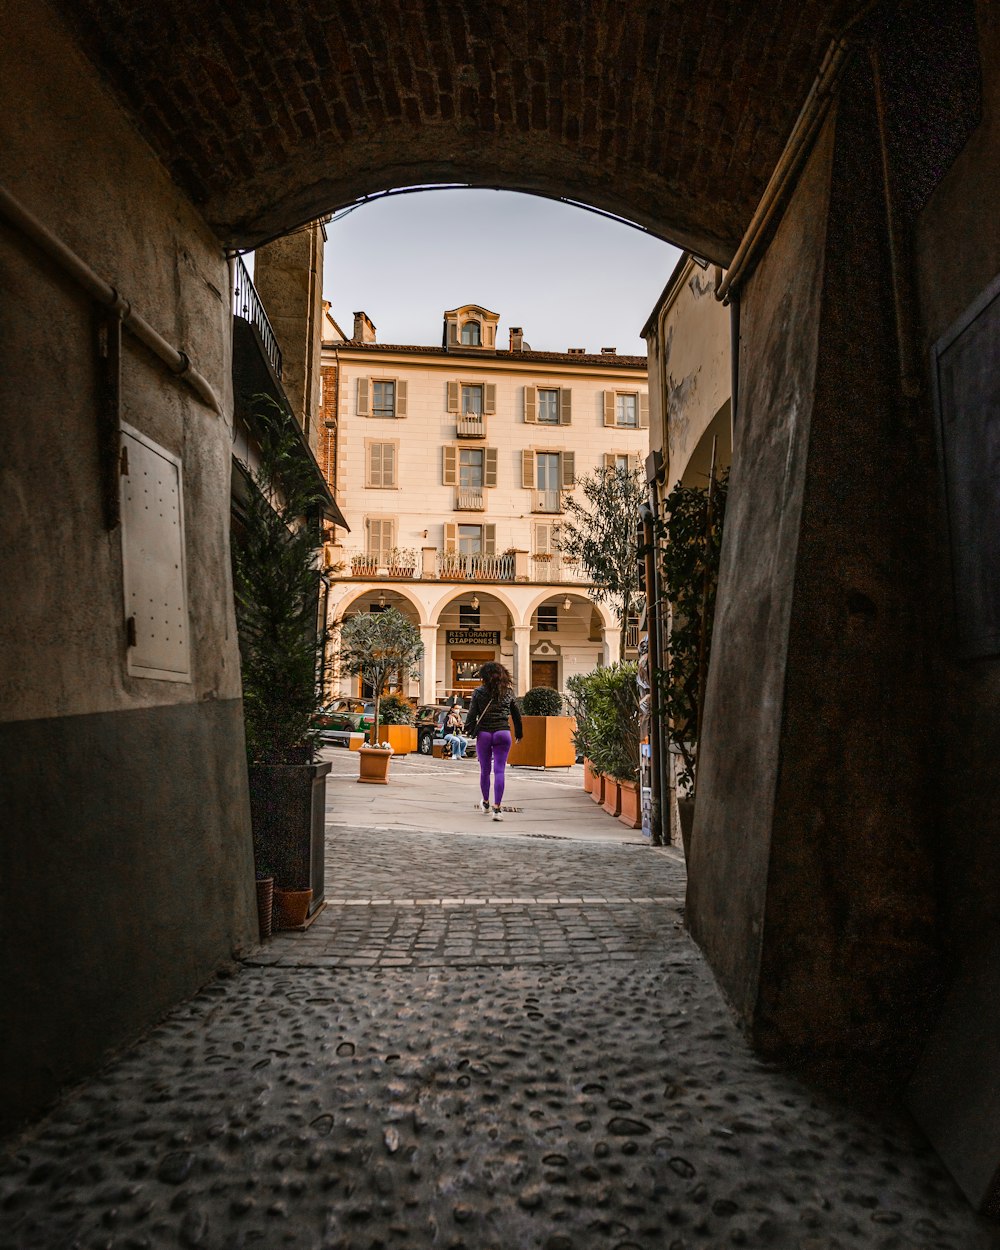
column 471, row 334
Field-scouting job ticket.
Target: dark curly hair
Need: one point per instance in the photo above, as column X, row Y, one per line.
column 496, row 679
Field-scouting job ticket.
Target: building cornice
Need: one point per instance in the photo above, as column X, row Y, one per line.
column 528, row 362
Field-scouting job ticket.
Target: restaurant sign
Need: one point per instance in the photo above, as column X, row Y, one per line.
column 473, row 637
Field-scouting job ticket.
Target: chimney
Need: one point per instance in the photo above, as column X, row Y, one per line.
column 364, row 331
column 609, row 351
column 576, row 351
column 516, row 339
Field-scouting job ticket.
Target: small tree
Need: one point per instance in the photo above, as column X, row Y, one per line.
column 606, row 706
column 542, row 701
column 600, row 534
column 689, row 564
column 375, row 645
column 276, row 588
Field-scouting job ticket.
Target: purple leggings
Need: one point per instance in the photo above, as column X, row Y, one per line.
column 493, row 747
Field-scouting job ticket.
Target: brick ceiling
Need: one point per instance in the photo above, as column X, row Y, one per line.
column 271, row 112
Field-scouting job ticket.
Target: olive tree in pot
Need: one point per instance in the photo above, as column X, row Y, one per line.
column 376, row 646
column 607, row 706
column 276, row 587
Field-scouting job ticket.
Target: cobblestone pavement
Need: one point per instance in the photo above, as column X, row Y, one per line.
column 572, row 1081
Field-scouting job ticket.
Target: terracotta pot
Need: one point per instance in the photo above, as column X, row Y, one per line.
column 630, row 813
column 612, row 796
column 597, row 789
column 291, row 907
column 265, row 904
column 588, row 775
column 374, row 765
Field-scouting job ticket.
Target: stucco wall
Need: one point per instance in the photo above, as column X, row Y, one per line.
column 110, row 785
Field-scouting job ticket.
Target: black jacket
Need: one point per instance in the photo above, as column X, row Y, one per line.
column 498, row 714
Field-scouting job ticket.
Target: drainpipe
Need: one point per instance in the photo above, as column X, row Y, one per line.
column 102, row 293
column 654, row 658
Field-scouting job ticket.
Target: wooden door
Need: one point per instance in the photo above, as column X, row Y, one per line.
column 545, row 673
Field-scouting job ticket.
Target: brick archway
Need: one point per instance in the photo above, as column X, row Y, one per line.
column 671, row 116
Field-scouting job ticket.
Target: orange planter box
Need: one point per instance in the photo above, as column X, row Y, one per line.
column 597, row 789
column 630, row 814
column 402, row 738
column 588, row 776
column 612, row 796
column 547, row 743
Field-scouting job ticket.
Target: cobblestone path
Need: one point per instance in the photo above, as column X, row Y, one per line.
column 545, row 1075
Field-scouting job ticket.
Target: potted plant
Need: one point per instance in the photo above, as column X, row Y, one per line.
column 276, row 590
column 376, row 646
column 548, row 734
column 398, row 716
column 402, row 562
column 364, row 566
column 607, row 707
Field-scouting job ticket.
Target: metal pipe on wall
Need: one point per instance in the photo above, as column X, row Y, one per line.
column 102, row 293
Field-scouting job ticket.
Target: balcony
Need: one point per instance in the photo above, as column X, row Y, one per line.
column 470, row 499
column 553, row 567
column 246, row 304
column 546, row 501
column 470, row 426
column 480, row 568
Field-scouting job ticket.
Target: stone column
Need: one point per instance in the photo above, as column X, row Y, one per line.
column 611, row 644
column 428, row 665
column 522, row 659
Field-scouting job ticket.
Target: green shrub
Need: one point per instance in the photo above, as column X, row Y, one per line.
column 395, row 710
column 606, row 706
column 542, row 701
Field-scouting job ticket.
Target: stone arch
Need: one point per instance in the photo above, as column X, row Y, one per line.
column 696, row 467
column 362, row 591
column 608, row 620
column 434, row 612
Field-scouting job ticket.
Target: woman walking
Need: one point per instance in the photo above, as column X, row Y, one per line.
column 490, row 713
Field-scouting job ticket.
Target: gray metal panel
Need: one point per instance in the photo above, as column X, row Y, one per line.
column 153, row 560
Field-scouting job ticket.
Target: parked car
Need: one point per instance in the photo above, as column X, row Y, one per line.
column 345, row 716
column 430, row 727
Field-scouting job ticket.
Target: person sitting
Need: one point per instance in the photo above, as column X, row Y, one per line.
column 453, row 732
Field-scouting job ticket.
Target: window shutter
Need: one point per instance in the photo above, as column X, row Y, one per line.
column 388, row 464
column 400, row 399
column 567, row 461
column 454, row 395
column 609, row 407
column 489, row 540
column 531, row 405
column 450, row 538
column 643, row 412
column 453, row 332
column 635, row 460
column 543, row 538
column 362, row 397
column 450, row 476
column 565, row 405
column 490, row 467
column 528, row 470
column 489, row 398
column 374, row 475
column 609, row 459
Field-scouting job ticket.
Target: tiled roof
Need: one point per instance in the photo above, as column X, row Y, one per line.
column 563, row 358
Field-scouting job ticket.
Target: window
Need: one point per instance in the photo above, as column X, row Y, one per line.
column 472, row 400
column 381, row 538
column 470, row 540
column 381, row 466
column 470, row 467
column 548, row 407
column 471, row 334
column 628, row 410
column 547, row 474
column 383, row 399
column 618, row 460
column 548, row 618
column 468, row 616
column 626, row 413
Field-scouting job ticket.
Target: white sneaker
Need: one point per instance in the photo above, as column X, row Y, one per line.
column 484, row 807
column 497, row 814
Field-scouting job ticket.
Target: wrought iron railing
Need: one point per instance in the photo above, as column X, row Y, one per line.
column 470, row 499
column 470, row 427
column 547, row 501
column 475, row 567
column 246, row 304
column 556, row 568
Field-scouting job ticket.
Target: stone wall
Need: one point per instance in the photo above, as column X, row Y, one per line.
column 125, row 858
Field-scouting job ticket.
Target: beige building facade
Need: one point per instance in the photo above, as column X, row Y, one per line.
column 453, row 467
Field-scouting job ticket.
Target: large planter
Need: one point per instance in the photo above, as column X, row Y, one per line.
column 288, row 818
column 612, row 796
column 588, row 776
column 402, row 738
column 631, row 807
column 597, row 789
column 373, row 763
column 547, row 743
column 291, row 908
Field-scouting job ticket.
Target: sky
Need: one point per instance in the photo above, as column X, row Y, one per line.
column 568, row 277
